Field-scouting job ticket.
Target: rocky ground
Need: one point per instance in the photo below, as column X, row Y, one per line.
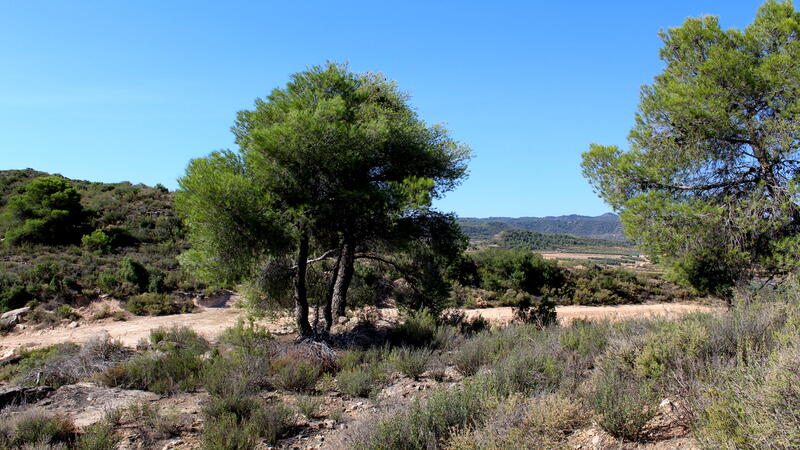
column 86, row 403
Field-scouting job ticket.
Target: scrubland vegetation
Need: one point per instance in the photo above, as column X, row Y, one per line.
column 730, row 380
column 301, row 216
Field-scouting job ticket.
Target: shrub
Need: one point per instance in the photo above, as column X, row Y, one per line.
column 471, row 356
column 755, row 405
column 425, row 424
column 298, row 375
column 70, row 363
column 153, row 419
column 247, row 336
column 176, row 365
column 418, row 330
column 410, row 362
column 528, row 370
column 236, row 374
column 308, row 405
column 34, row 427
column 65, row 312
column 624, row 401
column 133, row 272
column 226, row 433
column 152, row 304
column 226, row 430
column 174, row 371
column 359, row 381
column 539, row 311
column 98, row 436
column 539, row 422
column 98, row 242
column 178, row 337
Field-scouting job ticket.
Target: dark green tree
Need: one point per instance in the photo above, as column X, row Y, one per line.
column 47, row 211
column 709, row 182
column 330, row 166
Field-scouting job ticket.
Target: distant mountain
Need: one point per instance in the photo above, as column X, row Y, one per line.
column 607, row 226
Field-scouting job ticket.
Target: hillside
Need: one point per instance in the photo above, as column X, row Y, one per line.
column 139, row 239
column 606, row 226
column 519, row 239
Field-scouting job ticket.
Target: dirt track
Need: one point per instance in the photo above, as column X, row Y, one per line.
column 209, row 322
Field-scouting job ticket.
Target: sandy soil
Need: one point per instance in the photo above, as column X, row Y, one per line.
column 209, row 322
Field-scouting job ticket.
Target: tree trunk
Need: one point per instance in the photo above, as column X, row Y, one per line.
column 343, row 278
column 328, row 311
column 300, row 293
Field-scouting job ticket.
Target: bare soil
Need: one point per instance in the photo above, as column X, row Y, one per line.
column 210, row 322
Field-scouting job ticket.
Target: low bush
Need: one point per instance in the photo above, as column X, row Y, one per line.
column 153, row 304
column 624, row 400
column 70, row 363
column 34, row 359
column 98, row 436
column 417, row 330
column 247, row 336
column 308, row 405
column 298, row 375
column 98, row 242
column 35, row 428
column 164, row 338
column 426, row 424
column 539, row 311
column 539, row 422
column 174, row 364
column 360, row 381
column 528, row 370
column 155, row 423
column 472, row 356
column 167, row 373
column 410, row 362
column 754, row 406
column 243, row 428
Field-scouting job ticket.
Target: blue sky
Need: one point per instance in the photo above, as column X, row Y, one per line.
column 113, row 91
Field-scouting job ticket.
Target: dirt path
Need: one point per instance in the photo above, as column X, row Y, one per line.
column 209, row 322
column 567, row 314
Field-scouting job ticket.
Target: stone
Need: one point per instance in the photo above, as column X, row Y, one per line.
column 15, row 313
column 73, row 324
column 23, row 395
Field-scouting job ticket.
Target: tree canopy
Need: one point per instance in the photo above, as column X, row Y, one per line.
column 709, row 182
column 336, row 165
column 47, row 211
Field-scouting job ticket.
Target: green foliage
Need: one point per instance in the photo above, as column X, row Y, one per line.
column 708, row 185
column 133, row 272
column 13, row 294
column 410, row 362
column 97, row 241
column 518, row 239
column 333, row 160
column 122, row 221
column 98, row 436
column 47, row 211
column 624, row 400
column 531, row 370
column 523, row 271
column 174, row 364
column 151, row 304
column 36, row 428
column 308, row 405
column 228, row 430
column 426, row 423
column 291, row 374
column 539, row 422
column 417, row 330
